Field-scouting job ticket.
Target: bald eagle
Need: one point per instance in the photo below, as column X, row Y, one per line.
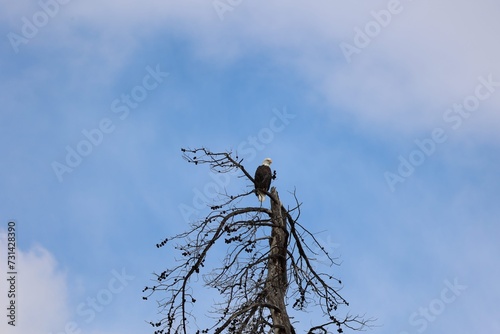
column 262, row 179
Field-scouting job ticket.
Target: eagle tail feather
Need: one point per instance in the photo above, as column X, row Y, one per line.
column 261, row 196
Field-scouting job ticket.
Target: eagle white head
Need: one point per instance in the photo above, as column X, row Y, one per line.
column 267, row 162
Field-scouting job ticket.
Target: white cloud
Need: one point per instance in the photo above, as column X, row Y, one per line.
column 42, row 297
column 426, row 58
column 41, row 291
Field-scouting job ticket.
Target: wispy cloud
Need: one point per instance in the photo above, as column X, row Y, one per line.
column 42, row 291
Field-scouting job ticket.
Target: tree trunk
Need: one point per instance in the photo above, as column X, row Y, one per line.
column 276, row 284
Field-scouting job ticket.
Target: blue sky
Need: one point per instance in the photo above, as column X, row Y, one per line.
column 382, row 115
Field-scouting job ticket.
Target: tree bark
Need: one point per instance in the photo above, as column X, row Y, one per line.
column 276, row 284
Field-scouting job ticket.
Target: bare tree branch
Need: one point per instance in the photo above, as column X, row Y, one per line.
column 268, row 266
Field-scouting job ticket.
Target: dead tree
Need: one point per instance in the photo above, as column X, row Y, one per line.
column 267, row 270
